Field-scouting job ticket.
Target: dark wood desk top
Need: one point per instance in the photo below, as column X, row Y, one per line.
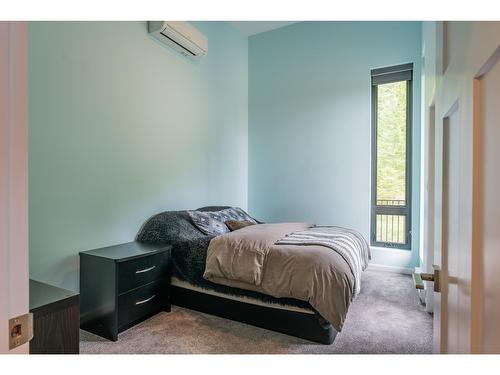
column 127, row 251
column 42, row 295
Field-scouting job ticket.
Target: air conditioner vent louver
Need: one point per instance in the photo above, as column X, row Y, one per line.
column 182, row 36
column 181, row 46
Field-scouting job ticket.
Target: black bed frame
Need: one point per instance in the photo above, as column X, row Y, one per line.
column 294, row 323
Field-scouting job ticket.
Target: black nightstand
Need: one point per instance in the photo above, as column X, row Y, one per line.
column 123, row 285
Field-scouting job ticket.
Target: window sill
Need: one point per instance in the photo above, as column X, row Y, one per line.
column 391, row 249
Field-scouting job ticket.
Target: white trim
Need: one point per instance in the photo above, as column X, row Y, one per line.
column 392, row 269
column 4, row 191
column 14, row 273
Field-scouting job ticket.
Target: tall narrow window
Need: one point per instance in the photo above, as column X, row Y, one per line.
column 391, row 156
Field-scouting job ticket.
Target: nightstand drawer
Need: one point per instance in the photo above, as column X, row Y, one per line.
column 142, row 302
column 141, row 271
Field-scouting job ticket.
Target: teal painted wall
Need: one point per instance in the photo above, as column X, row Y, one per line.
column 309, row 122
column 120, row 128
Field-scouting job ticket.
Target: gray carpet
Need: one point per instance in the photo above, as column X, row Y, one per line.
column 387, row 317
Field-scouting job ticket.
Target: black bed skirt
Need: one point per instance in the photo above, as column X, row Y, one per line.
column 294, row 323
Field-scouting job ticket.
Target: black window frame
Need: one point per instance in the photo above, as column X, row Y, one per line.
column 380, row 76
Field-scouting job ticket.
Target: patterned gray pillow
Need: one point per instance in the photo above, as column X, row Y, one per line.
column 232, row 213
column 212, row 222
column 207, row 224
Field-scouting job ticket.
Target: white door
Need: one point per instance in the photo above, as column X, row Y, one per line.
column 467, row 204
column 452, row 303
column 486, row 229
column 14, row 276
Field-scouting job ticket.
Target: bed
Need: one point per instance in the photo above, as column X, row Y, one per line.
column 191, row 290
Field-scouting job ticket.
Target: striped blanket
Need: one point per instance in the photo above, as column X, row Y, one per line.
column 349, row 244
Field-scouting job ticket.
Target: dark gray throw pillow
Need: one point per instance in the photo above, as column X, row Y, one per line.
column 212, row 222
column 232, row 213
column 207, row 224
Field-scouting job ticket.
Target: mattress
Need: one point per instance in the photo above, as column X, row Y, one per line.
column 254, row 301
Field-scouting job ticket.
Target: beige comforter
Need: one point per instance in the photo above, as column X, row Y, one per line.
column 249, row 259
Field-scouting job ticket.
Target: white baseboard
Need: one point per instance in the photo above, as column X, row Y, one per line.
column 381, row 267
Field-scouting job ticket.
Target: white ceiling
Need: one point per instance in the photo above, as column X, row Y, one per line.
column 256, row 27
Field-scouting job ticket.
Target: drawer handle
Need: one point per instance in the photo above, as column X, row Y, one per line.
column 146, row 300
column 146, row 269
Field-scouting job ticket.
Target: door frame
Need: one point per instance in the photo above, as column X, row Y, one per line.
column 14, row 251
column 428, row 197
column 440, row 255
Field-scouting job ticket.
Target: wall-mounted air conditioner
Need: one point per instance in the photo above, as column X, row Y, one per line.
column 181, row 36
